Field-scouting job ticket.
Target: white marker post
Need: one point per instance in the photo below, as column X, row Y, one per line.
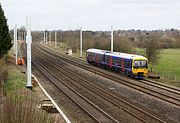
column 15, row 43
column 81, row 43
column 55, row 36
column 28, row 42
column 111, row 38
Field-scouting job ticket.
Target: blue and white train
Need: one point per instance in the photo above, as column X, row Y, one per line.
column 130, row 64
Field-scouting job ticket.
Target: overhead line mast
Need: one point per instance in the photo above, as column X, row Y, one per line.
column 28, row 42
column 112, row 39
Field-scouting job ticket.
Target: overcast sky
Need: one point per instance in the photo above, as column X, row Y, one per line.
column 93, row 14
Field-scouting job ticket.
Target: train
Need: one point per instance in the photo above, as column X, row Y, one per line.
column 132, row 65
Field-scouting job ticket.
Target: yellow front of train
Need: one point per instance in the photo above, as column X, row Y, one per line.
column 139, row 66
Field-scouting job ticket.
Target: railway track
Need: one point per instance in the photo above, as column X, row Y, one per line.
column 168, row 94
column 92, row 110
column 124, row 105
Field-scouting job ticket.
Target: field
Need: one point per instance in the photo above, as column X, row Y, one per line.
column 169, row 66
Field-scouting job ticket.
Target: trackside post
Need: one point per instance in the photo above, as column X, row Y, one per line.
column 81, row 43
column 28, row 42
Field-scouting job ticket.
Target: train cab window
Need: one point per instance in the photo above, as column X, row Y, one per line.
column 136, row 63
column 143, row 63
column 140, row 63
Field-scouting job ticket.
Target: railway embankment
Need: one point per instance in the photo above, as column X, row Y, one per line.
column 19, row 104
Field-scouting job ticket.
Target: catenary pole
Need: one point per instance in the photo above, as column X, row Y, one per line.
column 55, row 34
column 81, row 43
column 44, row 37
column 15, row 42
column 28, row 42
column 24, row 35
column 111, row 38
column 14, row 38
column 50, row 37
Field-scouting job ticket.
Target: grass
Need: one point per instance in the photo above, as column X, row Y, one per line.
column 169, row 66
column 19, row 105
column 62, row 47
column 15, row 78
column 140, row 51
column 77, row 54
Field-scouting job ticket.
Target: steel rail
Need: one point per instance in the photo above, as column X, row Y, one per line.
column 97, row 118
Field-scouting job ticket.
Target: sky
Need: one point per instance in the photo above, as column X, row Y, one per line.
column 93, row 14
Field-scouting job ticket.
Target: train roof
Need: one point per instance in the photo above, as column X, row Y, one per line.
column 125, row 55
column 116, row 54
column 97, row 51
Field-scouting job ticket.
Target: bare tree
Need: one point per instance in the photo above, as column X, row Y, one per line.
column 152, row 48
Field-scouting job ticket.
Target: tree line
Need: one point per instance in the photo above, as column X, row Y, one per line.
column 124, row 40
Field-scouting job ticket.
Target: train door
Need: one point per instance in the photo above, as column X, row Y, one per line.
column 97, row 59
column 110, row 61
column 103, row 57
column 122, row 64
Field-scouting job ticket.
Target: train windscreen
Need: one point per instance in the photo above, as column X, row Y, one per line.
column 140, row 64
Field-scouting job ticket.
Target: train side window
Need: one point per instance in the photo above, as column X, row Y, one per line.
column 120, row 61
column 114, row 60
column 125, row 63
column 128, row 63
column 107, row 58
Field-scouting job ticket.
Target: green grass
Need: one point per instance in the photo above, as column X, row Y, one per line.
column 15, row 78
column 140, row 51
column 62, row 47
column 169, row 61
column 168, row 66
column 77, row 54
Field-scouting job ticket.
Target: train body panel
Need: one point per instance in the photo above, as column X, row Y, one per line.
column 129, row 64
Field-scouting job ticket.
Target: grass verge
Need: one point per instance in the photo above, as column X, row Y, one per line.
column 20, row 105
